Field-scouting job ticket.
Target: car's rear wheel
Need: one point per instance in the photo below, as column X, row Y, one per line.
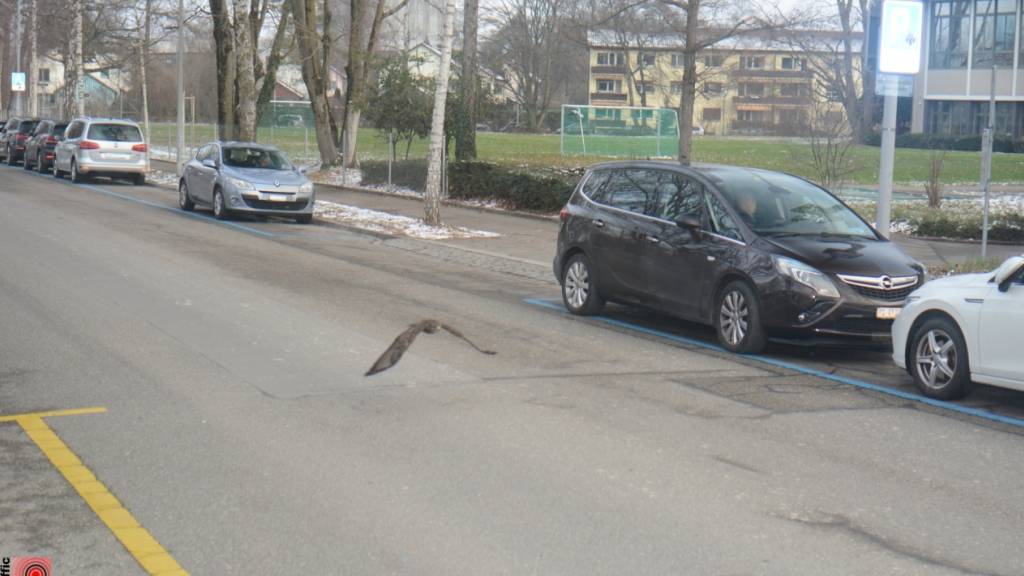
column 939, row 363
column 184, row 200
column 76, row 176
column 41, row 163
column 579, row 289
column 10, row 158
column 139, row 179
column 220, row 211
column 738, row 319
column 304, row 218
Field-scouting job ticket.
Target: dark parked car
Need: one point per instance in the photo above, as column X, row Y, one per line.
column 39, row 150
column 757, row 254
column 19, row 130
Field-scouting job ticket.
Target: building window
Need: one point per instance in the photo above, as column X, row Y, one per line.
column 969, row 118
column 609, row 86
column 752, row 89
column 834, row 94
column 789, row 63
column 714, row 60
column 607, row 114
column 678, row 60
column 994, row 25
column 792, row 90
column 610, row 59
column 752, row 62
column 711, row 115
column 645, row 59
column 645, row 88
column 44, row 75
column 713, row 88
column 752, row 116
column 951, row 29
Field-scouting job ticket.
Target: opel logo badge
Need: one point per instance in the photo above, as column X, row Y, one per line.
column 277, row 183
column 887, row 282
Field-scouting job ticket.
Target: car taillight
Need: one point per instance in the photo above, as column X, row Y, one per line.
column 564, row 214
column 21, row 137
column 51, row 139
column 88, row 145
column 139, row 148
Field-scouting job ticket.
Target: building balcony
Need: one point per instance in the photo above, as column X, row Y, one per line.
column 608, row 96
column 774, row 100
column 756, row 73
column 608, row 70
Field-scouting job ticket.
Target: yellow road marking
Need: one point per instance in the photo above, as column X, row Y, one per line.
column 153, row 558
column 71, row 412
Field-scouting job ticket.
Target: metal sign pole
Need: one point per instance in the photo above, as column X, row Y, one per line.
column 987, row 140
column 885, row 167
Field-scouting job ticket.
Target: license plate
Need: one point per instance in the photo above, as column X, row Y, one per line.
column 277, row 197
column 887, row 313
column 113, row 156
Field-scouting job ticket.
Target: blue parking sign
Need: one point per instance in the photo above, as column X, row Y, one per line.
column 17, row 81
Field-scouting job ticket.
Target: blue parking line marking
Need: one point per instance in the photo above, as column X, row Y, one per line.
column 237, row 226
column 978, row 413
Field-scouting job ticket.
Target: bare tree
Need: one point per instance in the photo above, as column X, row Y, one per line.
column 432, row 196
column 831, row 145
column 465, row 136
column 314, row 50
column 528, row 47
column 933, row 186
column 245, row 79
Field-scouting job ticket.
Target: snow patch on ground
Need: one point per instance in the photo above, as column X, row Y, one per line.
column 375, row 221
column 161, row 177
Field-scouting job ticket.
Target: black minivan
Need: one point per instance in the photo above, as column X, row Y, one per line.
column 755, row 253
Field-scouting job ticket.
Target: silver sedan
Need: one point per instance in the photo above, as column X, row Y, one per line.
column 245, row 177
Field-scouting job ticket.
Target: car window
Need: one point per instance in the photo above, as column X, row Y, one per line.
column 721, row 222
column 630, row 190
column 592, row 188
column 678, row 196
column 42, row 128
column 203, row 153
column 75, row 131
column 11, row 124
column 252, row 157
column 28, row 126
column 776, row 204
column 59, row 129
column 115, row 133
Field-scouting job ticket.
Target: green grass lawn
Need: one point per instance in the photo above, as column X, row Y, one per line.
column 543, row 150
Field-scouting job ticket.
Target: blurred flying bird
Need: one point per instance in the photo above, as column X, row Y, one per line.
column 393, row 354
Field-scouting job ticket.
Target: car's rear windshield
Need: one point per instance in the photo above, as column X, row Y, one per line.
column 252, row 157
column 59, row 129
column 115, row 133
column 776, row 204
column 28, row 126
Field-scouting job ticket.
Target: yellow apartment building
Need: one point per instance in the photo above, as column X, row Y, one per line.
column 752, row 84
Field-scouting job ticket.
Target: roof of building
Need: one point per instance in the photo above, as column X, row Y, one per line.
column 759, row 41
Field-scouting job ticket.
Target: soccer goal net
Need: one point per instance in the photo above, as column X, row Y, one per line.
column 619, row 131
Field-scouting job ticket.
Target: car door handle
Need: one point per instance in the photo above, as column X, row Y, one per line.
column 599, row 223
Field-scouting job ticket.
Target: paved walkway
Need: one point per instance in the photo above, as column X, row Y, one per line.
column 533, row 239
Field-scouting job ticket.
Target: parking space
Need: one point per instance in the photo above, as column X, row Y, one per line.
column 871, row 370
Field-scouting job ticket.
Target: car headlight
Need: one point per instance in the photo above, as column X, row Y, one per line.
column 807, row 276
column 306, row 188
column 240, row 185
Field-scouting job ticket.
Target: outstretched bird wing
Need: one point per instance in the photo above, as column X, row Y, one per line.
column 394, row 353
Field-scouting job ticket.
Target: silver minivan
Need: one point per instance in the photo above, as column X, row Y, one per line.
column 102, row 147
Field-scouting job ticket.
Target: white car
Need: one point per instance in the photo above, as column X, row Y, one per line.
column 964, row 329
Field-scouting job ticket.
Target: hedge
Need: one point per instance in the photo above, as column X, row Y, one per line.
column 517, row 189
column 949, row 142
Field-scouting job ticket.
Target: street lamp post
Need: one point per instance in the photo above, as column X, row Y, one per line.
column 181, row 86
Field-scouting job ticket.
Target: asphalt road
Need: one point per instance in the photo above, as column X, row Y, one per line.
column 240, row 432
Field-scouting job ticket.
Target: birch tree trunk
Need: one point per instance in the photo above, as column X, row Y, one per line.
column 432, row 197
column 689, row 83
column 79, row 60
column 465, row 139
column 245, row 47
column 147, row 28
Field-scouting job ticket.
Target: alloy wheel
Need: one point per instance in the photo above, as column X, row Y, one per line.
column 577, row 284
column 218, row 205
column 734, row 317
column 936, row 359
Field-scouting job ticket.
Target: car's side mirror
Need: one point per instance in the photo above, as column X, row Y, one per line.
column 691, row 223
column 209, row 163
column 1008, row 271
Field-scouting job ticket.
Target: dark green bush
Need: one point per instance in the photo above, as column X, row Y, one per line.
column 516, row 189
column 1005, row 227
column 949, row 142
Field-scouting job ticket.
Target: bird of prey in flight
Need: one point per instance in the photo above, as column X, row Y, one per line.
column 394, row 353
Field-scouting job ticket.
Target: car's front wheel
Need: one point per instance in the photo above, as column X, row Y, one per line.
column 220, row 211
column 938, row 356
column 184, row 199
column 738, row 319
column 10, row 158
column 579, row 289
column 41, row 163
